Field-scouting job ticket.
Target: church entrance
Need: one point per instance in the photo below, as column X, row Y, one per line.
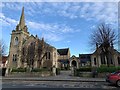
column 74, row 63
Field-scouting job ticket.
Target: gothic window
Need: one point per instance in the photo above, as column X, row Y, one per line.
column 23, row 51
column 102, row 56
column 111, row 61
column 16, row 40
column 14, row 57
column 48, row 55
column 95, row 62
column 118, row 60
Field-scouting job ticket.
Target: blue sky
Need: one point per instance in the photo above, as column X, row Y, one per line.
column 62, row 24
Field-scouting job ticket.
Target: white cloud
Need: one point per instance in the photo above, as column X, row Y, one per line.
column 59, row 0
column 7, row 21
column 97, row 11
column 52, row 32
column 52, row 37
column 68, row 41
column 102, row 12
column 51, row 27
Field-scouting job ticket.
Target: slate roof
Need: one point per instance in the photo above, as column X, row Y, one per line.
column 63, row 51
column 85, row 57
column 64, row 61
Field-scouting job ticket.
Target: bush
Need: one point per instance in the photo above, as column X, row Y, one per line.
column 18, row 70
column 40, row 70
column 36, row 70
column 110, row 69
column 84, row 69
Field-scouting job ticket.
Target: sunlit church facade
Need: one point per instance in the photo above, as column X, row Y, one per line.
column 28, row 51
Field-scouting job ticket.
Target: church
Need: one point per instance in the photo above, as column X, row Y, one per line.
column 28, row 51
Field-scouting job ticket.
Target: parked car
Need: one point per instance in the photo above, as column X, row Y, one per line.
column 114, row 78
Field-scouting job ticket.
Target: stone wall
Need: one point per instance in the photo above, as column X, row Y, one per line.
column 29, row 74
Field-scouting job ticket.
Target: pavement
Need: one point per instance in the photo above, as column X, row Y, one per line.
column 74, row 79
column 64, row 76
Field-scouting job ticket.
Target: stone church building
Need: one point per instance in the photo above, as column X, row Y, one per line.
column 28, row 51
column 98, row 57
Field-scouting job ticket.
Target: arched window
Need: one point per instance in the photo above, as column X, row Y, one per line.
column 16, row 40
column 48, row 55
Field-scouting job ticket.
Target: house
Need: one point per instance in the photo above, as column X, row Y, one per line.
column 98, row 58
column 3, row 61
column 63, row 58
column 85, row 59
column 74, row 62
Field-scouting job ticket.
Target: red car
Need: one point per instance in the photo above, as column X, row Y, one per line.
column 114, row 78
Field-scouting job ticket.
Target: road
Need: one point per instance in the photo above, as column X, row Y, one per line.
column 55, row 84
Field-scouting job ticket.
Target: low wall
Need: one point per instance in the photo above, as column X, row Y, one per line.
column 102, row 75
column 84, row 74
column 30, row 74
column 90, row 74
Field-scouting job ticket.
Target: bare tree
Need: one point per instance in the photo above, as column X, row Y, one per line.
column 31, row 55
column 104, row 37
column 2, row 48
column 36, row 50
column 42, row 50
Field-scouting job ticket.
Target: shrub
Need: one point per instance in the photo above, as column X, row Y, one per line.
column 18, row 70
column 107, row 69
column 84, row 69
column 36, row 70
column 40, row 69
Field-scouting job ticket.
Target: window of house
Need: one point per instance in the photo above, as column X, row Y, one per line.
column 95, row 62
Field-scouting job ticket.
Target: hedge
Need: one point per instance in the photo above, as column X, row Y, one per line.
column 84, row 69
column 19, row 70
column 107, row 69
column 40, row 70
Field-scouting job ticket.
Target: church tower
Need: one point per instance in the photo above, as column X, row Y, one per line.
column 18, row 37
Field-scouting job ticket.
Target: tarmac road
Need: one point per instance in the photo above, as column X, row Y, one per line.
column 57, row 84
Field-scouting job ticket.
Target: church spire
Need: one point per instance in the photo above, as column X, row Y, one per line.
column 22, row 19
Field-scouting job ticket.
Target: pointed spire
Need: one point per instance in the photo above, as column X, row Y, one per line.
column 22, row 19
